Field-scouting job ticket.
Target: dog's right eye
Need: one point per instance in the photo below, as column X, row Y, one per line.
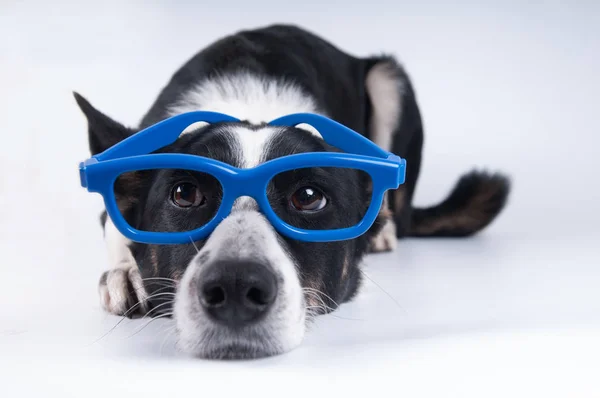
column 308, row 199
column 187, row 195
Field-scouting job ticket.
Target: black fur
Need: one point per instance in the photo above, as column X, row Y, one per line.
column 336, row 81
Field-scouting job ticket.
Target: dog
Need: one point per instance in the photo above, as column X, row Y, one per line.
column 257, row 75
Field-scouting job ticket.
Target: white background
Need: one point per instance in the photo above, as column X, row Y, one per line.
column 505, row 86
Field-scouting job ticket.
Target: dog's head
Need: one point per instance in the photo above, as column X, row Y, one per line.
column 245, row 291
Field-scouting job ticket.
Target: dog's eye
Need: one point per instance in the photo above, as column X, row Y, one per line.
column 187, row 195
column 308, row 199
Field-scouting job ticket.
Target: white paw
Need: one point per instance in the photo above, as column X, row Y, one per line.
column 122, row 292
column 386, row 239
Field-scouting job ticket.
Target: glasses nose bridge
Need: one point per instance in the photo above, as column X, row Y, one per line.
column 249, row 184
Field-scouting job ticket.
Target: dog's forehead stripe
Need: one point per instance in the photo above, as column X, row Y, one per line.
column 253, row 143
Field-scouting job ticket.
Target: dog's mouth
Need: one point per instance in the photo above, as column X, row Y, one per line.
column 235, row 352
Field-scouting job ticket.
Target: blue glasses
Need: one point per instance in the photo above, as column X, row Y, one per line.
column 201, row 210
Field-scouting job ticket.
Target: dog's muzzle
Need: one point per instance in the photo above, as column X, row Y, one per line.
column 240, row 297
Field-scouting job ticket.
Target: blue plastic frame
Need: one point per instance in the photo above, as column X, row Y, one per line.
column 98, row 174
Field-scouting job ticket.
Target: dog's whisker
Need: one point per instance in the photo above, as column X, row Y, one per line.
column 161, row 289
column 160, row 294
column 169, row 332
column 168, row 314
column 323, row 305
column 166, row 327
column 318, row 297
column 160, row 278
column 312, row 290
column 109, row 331
column 313, row 312
column 314, row 308
column 147, row 315
column 382, row 289
column 194, row 243
column 124, row 317
column 157, row 294
column 117, row 302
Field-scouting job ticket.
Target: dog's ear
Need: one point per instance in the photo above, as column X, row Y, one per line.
column 103, row 132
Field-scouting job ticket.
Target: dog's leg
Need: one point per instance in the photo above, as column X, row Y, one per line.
column 121, row 288
column 386, row 240
column 385, row 87
column 396, row 126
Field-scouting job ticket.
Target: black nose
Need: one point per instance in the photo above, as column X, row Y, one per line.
column 237, row 293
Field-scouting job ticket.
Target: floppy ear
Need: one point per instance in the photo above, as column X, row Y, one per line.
column 103, row 132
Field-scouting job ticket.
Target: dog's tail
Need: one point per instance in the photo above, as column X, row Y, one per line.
column 474, row 203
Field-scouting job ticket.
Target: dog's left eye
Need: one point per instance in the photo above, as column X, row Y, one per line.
column 187, row 195
column 308, row 199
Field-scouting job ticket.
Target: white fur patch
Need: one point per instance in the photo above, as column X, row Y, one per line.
column 193, row 127
column 252, row 143
column 115, row 296
column 119, row 254
column 247, row 97
column 114, row 292
column 386, row 239
column 385, row 91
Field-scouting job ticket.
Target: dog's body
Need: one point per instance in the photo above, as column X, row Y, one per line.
column 256, row 76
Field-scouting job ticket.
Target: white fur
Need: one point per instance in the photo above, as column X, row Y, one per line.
column 385, row 91
column 247, row 97
column 115, row 296
column 242, row 235
column 252, row 143
column 119, row 254
column 386, row 239
column 193, row 127
column 115, row 292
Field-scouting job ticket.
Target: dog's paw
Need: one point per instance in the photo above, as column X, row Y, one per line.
column 386, row 240
column 122, row 292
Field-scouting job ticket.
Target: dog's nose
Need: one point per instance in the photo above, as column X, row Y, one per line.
column 237, row 293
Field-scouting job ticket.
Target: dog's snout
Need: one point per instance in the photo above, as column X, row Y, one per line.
column 237, row 292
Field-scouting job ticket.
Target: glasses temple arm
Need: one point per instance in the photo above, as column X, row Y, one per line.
column 160, row 134
column 348, row 141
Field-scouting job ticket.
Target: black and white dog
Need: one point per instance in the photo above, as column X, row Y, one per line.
column 246, row 291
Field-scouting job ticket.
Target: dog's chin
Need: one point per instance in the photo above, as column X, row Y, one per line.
column 225, row 344
column 235, row 351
